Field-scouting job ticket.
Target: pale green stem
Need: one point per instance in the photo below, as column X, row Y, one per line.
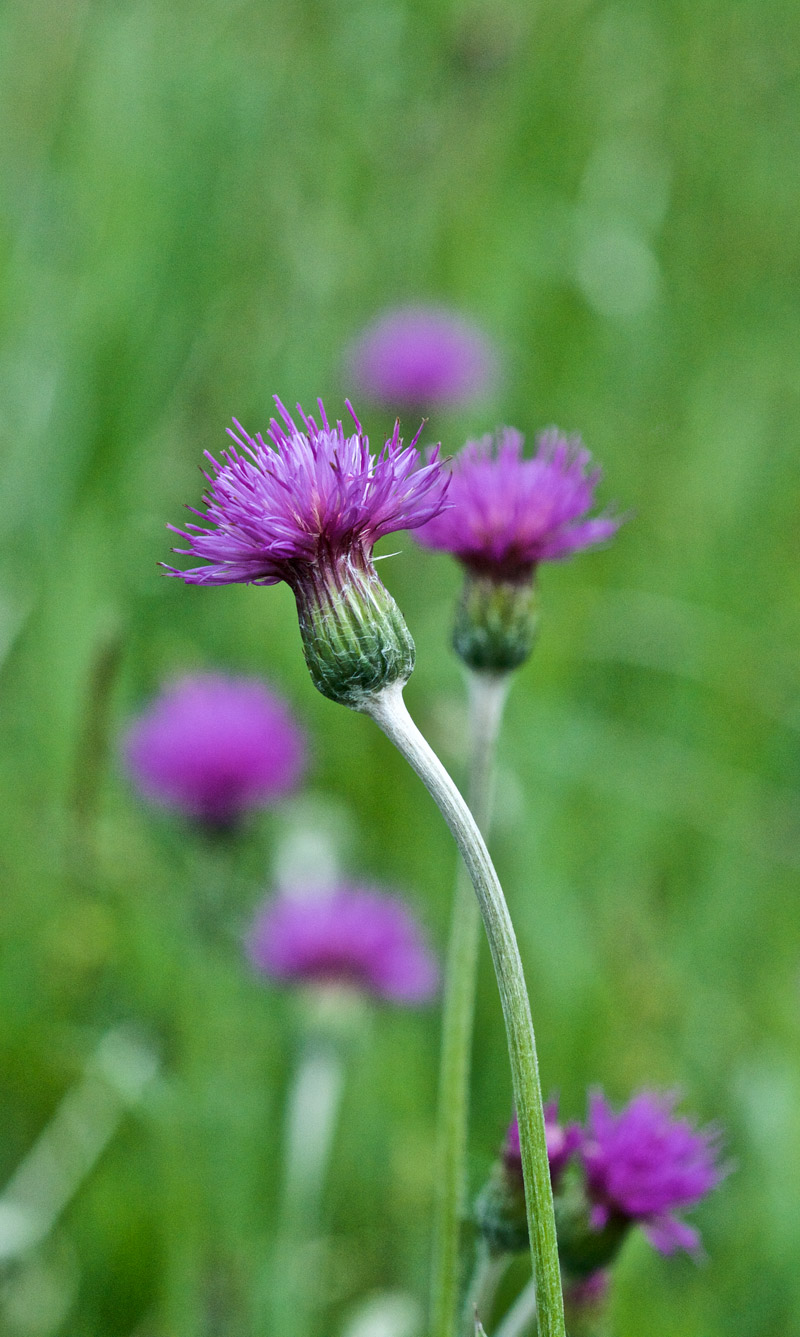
column 489, row 1271
column 311, row 1118
column 487, row 696
column 522, row 1314
column 388, row 710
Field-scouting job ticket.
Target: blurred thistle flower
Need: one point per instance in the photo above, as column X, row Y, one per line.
column 500, row 1207
column 505, row 515
column 562, row 1142
column 215, row 747
column 354, row 936
column 422, row 356
column 308, row 509
column 643, row 1164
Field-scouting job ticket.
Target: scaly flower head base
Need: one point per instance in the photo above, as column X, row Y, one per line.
column 355, row 639
column 496, row 623
column 306, row 506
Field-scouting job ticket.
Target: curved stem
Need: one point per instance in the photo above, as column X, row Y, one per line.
column 388, row 710
column 487, row 696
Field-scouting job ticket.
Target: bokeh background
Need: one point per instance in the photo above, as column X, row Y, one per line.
column 203, row 203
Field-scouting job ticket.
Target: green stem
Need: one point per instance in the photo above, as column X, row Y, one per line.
column 487, row 695
column 388, row 710
column 311, row 1118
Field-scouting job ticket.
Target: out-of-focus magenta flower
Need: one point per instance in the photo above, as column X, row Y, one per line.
column 562, row 1142
column 420, row 357
column 313, row 499
column 355, row 936
column 215, row 747
column 643, row 1164
column 505, row 513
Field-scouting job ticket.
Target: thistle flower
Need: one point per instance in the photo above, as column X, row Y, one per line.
column 355, row 936
column 215, row 747
column 308, row 509
column 500, row 1208
column 562, row 1142
column 644, row 1164
column 506, row 514
column 422, row 356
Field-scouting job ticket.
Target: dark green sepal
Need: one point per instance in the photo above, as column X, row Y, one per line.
column 496, row 622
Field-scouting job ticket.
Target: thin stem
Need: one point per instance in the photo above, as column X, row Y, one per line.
column 487, row 696
column 522, row 1314
column 490, row 1268
column 388, row 710
column 311, row 1118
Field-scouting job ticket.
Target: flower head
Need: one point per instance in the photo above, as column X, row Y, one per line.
column 214, row 747
column 307, row 509
column 506, row 513
column 643, row 1164
column 312, row 497
column 352, row 935
column 421, row 356
column 562, row 1142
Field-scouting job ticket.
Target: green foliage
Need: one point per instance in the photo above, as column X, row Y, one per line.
column 203, row 204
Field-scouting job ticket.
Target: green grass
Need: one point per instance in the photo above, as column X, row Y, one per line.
column 203, row 204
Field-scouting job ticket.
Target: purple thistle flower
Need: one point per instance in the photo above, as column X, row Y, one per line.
column 313, row 498
column 562, row 1142
column 643, row 1164
column 215, row 747
column 355, row 936
column 422, row 356
column 506, row 513
column 307, row 509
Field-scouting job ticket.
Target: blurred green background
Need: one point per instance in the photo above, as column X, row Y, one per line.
column 202, row 204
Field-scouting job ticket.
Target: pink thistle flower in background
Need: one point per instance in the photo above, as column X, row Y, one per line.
column 506, row 514
column 307, row 508
column 215, row 747
column 563, row 1141
column 644, row 1164
column 421, row 357
column 355, row 936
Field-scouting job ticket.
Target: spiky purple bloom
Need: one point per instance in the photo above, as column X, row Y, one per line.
column 563, row 1141
column 643, row 1164
column 215, row 747
column 357, row 936
column 312, row 498
column 307, row 508
column 506, row 514
column 422, row 356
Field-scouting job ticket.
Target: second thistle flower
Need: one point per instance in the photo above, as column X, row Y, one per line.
column 506, row 514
